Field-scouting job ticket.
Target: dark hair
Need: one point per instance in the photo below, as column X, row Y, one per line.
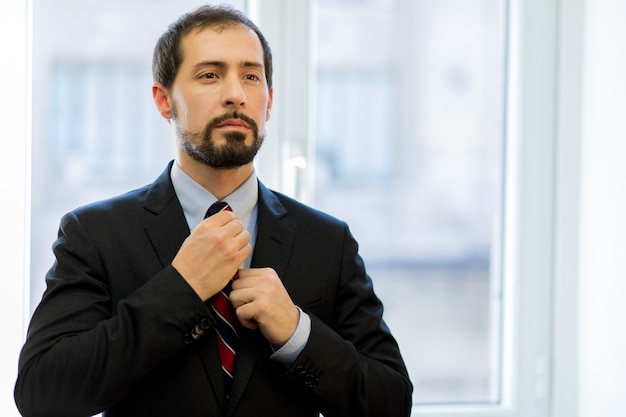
column 168, row 53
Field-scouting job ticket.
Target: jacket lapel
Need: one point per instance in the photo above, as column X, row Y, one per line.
column 168, row 228
column 274, row 239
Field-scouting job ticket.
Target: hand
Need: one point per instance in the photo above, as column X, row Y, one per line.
column 261, row 301
column 212, row 253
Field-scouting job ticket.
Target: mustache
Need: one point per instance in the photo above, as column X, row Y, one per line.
column 233, row 115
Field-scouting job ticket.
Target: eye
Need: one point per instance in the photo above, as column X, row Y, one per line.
column 208, row 76
column 252, row 77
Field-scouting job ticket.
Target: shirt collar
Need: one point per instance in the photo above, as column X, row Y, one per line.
column 195, row 199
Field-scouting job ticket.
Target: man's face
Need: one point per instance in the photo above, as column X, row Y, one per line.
column 220, row 100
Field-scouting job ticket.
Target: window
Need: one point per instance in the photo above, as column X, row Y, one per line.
column 409, row 151
column 103, row 126
column 334, row 166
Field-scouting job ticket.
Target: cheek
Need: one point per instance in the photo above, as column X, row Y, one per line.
column 195, row 112
column 262, row 111
column 179, row 110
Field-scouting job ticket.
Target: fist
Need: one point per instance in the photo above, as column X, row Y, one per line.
column 212, row 253
column 261, row 301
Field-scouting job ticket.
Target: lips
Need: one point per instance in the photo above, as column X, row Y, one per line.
column 233, row 123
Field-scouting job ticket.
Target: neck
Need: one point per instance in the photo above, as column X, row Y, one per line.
column 218, row 181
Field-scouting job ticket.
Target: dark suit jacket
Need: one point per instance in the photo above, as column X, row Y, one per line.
column 113, row 330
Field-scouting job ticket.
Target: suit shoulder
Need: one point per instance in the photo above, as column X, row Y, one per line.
column 154, row 197
column 306, row 212
column 123, row 201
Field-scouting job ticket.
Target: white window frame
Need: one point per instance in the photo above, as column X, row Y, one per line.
column 529, row 224
column 286, row 162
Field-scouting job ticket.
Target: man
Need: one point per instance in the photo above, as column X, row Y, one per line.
column 129, row 323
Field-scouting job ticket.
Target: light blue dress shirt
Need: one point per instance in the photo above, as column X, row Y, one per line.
column 195, row 201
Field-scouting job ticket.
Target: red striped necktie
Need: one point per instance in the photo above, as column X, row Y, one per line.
column 227, row 323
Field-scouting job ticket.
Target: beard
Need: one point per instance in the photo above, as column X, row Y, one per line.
column 233, row 153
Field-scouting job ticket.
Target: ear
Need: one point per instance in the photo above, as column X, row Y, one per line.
column 161, row 98
column 270, row 100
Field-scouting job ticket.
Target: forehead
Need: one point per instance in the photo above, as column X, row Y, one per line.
column 221, row 44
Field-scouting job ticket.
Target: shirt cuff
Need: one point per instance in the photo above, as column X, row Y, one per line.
column 288, row 353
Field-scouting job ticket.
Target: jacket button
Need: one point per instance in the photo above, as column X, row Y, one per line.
column 188, row 340
column 301, row 372
column 194, row 335
column 205, row 324
column 306, row 377
column 312, row 381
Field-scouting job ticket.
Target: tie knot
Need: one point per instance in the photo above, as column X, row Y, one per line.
column 216, row 208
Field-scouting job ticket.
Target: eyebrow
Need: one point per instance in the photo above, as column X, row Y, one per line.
column 221, row 64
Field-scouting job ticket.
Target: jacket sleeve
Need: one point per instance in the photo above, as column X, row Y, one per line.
column 81, row 354
column 353, row 366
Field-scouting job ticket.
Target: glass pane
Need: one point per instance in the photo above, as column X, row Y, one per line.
column 96, row 131
column 409, row 152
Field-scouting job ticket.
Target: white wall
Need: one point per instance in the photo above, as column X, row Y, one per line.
column 13, row 191
column 602, row 329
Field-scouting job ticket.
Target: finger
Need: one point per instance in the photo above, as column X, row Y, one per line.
column 240, row 297
column 219, row 219
column 231, row 237
column 250, row 277
column 243, row 253
column 245, row 315
column 243, row 275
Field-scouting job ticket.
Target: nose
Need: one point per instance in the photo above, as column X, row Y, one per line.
column 233, row 93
